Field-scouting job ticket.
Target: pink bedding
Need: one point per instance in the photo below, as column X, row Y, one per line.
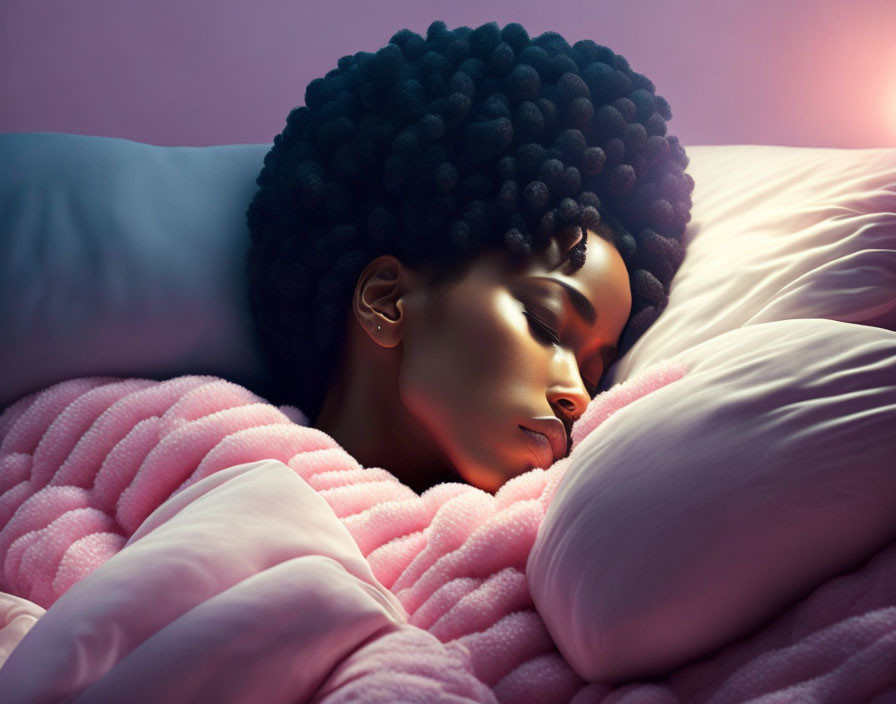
column 191, row 542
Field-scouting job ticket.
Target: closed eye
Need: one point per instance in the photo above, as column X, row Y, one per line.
column 541, row 329
column 547, row 335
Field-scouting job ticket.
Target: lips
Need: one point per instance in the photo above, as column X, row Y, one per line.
column 547, row 437
column 541, row 447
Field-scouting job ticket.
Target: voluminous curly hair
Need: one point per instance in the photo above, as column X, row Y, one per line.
column 435, row 150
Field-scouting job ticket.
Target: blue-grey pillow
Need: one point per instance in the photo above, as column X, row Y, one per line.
column 124, row 259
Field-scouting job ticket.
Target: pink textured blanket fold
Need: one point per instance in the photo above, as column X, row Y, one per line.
column 192, row 542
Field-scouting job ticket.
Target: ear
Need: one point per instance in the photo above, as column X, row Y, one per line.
column 377, row 302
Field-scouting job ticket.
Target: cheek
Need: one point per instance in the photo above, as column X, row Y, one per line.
column 477, row 359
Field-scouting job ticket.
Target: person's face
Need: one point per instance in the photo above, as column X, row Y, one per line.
column 484, row 367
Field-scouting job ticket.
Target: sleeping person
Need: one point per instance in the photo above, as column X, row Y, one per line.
column 454, row 238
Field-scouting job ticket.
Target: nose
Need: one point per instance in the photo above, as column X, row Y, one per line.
column 567, row 391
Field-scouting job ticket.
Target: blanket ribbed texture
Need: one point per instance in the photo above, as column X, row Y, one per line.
column 85, row 462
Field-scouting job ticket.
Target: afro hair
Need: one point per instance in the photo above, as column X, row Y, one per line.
column 437, row 149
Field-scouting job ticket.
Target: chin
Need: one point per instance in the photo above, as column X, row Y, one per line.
column 487, row 481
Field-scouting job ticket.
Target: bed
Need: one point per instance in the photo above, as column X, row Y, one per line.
column 166, row 534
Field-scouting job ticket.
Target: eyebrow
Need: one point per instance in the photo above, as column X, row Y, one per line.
column 586, row 312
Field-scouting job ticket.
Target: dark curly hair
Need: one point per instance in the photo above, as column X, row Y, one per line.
column 435, row 150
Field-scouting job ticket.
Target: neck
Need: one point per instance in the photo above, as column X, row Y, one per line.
column 364, row 413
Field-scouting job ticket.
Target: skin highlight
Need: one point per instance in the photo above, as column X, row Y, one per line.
column 439, row 391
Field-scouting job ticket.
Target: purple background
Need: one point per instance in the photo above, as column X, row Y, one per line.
column 818, row 73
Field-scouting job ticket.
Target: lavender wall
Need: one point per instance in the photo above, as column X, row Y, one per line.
column 201, row 72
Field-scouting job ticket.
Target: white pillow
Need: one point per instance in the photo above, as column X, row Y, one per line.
column 696, row 513
column 778, row 233
column 124, row 259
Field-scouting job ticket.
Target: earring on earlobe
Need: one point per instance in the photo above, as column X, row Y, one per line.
column 379, row 327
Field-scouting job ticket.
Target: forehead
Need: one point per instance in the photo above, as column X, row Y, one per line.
column 603, row 278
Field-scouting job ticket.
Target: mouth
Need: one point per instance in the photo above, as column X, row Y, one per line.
column 547, row 440
column 540, row 447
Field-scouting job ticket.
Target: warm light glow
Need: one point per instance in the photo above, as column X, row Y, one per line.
column 892, row 111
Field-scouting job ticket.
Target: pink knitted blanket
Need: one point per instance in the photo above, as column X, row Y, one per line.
column 191, row 542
